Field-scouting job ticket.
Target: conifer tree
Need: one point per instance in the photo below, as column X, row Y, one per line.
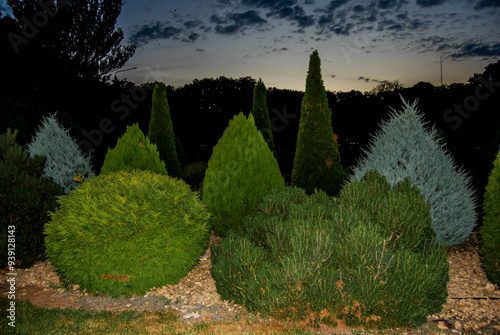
column 133, row 151
column 317, row 158
column 240, row 172
column 63, row 158
column 490, row 231
column 161, row 131
column 261, row 114
column 405, row 148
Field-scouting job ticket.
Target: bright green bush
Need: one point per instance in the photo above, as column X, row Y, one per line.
column 316, row 164
column 324, row 259
column 161, row 131
column 25, row 199
column 240, row 172
column 490, row 230
column 126, row 232
column 133, row 151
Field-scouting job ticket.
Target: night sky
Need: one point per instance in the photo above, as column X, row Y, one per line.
column 361, row 43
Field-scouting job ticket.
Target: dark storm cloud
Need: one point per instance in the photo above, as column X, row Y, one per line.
column 283, row 9
column 429, row 3
column 154, row 31
column 367, row 80
column 390, row 4
column 487, row 3
column 193, row 24
column 477, row 49
column 234, row 23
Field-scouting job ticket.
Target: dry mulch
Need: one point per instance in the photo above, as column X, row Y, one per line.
column 473, row 303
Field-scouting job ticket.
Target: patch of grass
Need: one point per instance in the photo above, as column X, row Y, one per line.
column 34, row 320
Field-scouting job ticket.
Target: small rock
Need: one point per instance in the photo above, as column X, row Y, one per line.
column 458, row 325
column 441, row 325
column 191, row 315
column 490, row 287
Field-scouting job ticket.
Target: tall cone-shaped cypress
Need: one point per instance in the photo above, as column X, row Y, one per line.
column 317, row 159
column 161, row 131
column 261, row 114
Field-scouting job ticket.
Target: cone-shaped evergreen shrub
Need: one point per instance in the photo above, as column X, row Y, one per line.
column 317, row 158
column 405, row 148
column 25, row 199
column 133, row 151
column 63, row 158
column 240, row 172
column 325, row 259
column 490, row 231
column 127, row 232
column 161, row 131
column 260, row 113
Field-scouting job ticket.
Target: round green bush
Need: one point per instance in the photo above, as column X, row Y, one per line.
column 325, row 259
column 127, row 232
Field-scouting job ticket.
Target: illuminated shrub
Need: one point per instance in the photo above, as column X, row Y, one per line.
column 240, row 172
column 405, row 148
column 321, row 259
column 126, row 232
column 133, row 151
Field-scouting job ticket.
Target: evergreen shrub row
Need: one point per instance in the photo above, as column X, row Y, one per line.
column 368, row 257
column 126, row 232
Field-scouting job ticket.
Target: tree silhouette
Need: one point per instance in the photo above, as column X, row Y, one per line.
column 79, row 35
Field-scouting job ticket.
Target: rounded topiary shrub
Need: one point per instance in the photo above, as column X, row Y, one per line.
column 133, row 150
column 240, row 172
column 490, row 231
column 126, row 232
column 326, row 259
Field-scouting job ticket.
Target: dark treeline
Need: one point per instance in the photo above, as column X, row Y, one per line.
column 466, row 115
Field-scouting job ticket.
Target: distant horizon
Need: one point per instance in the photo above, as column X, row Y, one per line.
column 151, row 73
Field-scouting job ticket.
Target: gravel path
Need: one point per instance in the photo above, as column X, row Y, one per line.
column 473, row 302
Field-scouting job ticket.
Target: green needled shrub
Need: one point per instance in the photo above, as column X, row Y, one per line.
column 25, row 199
column 405, row 148
column 161, row 131
column 260, row 113
column 322, row 259
column 133, row 151
column 316, row 164
column 490, row 231
column 63, row 158
column 240, row 172
column 126, row 232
